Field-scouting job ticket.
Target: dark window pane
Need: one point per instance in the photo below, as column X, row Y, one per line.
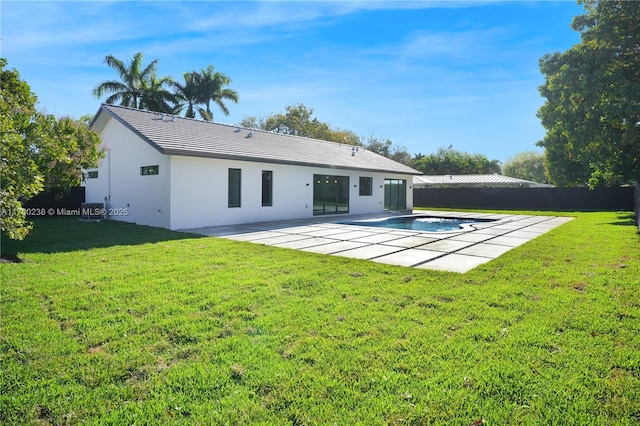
column 149, row 170
column 366, row 185
column 267, row 188
column 234, row 187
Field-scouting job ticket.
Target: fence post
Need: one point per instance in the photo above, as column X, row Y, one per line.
column 636, row 204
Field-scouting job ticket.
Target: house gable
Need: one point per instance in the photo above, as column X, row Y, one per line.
column 133, row 177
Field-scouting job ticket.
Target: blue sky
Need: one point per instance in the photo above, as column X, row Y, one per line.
column 423, row 74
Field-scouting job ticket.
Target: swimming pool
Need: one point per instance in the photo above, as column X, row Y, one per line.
column 420, row 223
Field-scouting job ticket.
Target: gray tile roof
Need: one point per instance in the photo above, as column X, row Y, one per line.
column 174, row 135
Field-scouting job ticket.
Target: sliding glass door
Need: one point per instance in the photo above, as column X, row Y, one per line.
column 395, row 194
column 330, row 194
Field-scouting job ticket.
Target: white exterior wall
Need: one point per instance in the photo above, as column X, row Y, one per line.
column 130, row 196
column 97, row 189
column 199, row 192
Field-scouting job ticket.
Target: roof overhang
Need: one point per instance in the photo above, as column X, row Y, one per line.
column 199, row 154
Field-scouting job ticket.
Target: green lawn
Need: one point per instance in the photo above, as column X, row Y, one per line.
column 112, row 323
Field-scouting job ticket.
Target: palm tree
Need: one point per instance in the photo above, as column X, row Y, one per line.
column 155, row 97
column 200, row 89
column 188, row 95
column 137, row 88
column 214, row 90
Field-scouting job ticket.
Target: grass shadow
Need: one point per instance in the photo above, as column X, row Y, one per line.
column 64, row 234
column 626, row 219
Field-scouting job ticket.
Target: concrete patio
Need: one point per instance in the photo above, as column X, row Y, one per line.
column 458, row 251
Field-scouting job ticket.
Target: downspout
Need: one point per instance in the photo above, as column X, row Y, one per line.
column 107, row 199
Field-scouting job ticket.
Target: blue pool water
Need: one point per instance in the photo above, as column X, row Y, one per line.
column 419, row 223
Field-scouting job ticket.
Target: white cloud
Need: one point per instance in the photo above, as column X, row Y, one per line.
column 45, row 25
column 466, row 45
column 255, row 16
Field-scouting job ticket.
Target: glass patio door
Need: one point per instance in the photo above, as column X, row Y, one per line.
column 330, row 194
column 395, row 194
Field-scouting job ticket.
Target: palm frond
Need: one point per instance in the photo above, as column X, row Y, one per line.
column 137, row 88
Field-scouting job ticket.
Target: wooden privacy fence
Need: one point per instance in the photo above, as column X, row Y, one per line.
column 557, row 199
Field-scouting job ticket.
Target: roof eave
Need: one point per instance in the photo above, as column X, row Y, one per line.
column 200, row 154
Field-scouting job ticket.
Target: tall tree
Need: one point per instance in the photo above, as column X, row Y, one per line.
column 200, row 89
column 37, row 151
column 157, row 96
column 214, row 90
column 19, row 177
column 592, row 112
column 138, row 87
column 188, row 95
column 528, row 165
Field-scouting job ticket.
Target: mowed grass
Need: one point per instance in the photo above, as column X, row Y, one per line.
column 113, row 323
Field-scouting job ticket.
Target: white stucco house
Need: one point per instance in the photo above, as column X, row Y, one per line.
column 179, row 173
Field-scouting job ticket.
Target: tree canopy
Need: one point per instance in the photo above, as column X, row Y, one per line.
column 38, row 151
column 388, row 149
column 450, row 161
column 592, row 91
column 298, row 120
column 528, row 165
column 66, row 147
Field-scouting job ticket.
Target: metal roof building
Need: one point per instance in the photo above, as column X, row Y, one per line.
column 466, row 181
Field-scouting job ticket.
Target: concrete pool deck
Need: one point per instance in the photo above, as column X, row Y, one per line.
column 458, row 251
